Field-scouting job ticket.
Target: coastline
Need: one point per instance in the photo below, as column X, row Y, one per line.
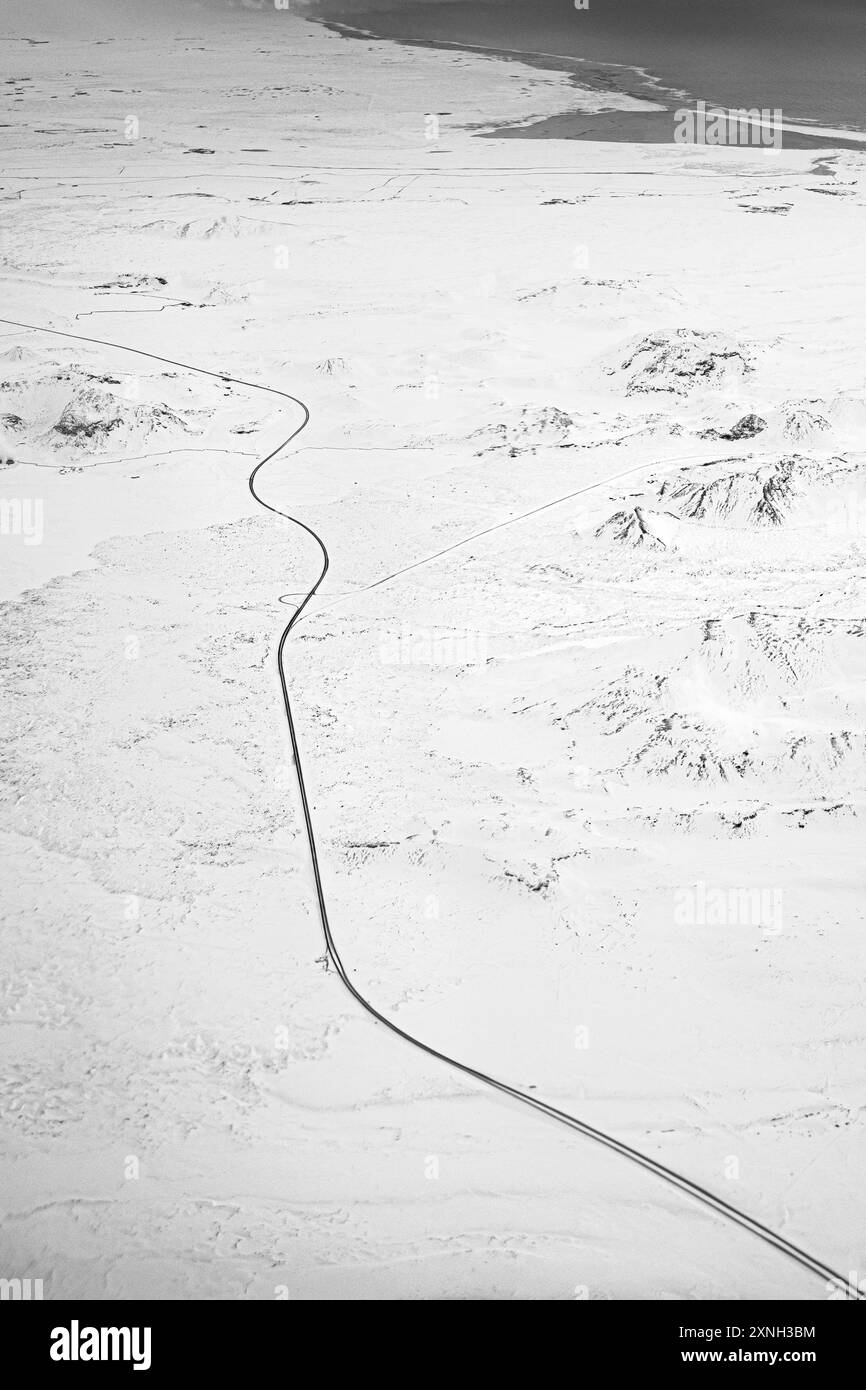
column 620, row 82
column 642, row 108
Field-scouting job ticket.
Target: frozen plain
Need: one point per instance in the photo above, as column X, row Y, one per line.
column 588, row 789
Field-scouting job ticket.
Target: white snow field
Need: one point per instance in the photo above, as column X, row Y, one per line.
column 588, row 789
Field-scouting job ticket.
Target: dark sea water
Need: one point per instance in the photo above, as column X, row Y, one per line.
column 807, row 57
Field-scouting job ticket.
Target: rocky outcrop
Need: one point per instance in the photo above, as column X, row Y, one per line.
column 680, row 362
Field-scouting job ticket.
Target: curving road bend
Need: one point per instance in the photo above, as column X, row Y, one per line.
column 668, row 1175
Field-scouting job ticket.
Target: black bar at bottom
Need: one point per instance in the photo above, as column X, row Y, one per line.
column 159, row 1339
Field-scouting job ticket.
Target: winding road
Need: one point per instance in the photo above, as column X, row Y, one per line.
column 667, row 1175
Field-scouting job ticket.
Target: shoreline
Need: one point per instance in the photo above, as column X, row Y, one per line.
column 645, row 90
column 638, row 124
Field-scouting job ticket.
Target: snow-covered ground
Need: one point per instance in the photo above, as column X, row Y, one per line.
column 588, row 788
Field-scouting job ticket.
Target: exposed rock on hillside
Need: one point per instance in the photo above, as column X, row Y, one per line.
column 763, row 696
column 680, row 362
column 94, row 417
column 535, row 428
